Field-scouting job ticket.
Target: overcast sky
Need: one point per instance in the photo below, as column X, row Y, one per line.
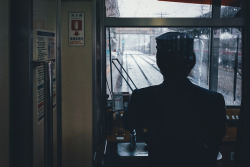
column 154, row 8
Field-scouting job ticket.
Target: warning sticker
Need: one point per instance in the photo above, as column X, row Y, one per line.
column 76, row 29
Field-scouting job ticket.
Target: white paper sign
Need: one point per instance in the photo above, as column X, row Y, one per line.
column 76, row 29
column 39, row 88
column 45, row 45
column 117, row 101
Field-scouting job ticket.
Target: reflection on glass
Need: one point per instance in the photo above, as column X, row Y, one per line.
column 155, row 8
column 229, row 11
column 229, row 65
column 200, row 73
column 230, row 8
column 133, row 51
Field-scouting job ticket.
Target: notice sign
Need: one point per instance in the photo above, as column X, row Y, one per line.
column 76, row 29
column 45, row 45
column 117, row 101
column 39, row 92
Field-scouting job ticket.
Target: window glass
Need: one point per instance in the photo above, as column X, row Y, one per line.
column 133, row 52
column 133, row 56
column 200, row 73
column 229, row 64
column 230, row 11
column 230, row 8
column 156, row 8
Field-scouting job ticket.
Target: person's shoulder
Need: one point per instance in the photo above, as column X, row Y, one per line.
column 145, row 94
column 146, row 90
column 207, row 93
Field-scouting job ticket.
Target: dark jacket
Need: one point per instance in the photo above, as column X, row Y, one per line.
column 185, row 123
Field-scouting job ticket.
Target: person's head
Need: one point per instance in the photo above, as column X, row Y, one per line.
column 175, row 56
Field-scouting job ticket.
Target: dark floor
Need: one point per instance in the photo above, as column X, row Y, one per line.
column 112, row 159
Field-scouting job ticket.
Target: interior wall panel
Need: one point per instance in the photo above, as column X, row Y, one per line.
column 77, row 91
column 44, row 18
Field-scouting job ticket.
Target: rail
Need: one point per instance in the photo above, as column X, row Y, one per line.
column 122, row 74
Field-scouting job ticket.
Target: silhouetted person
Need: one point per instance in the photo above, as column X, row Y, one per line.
column 185, row 122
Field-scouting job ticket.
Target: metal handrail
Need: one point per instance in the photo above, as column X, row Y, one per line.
column 122, row 74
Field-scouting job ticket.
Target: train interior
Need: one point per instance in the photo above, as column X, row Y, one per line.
column 132, row 53
column 69, row 67
column 131, row 64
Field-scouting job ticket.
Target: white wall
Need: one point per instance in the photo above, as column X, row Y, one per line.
column 4, row 83
column 77, row 91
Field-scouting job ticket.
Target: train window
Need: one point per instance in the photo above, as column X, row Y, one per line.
column 229, row 64
column 230, row 8
column 230, row 11
column 134, row 66
column 158, row 8
column 133, row 57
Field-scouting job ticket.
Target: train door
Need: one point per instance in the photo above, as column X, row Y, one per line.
column 34, row 50
column 127, row 40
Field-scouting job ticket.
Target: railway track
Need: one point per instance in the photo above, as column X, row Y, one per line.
column 141, row 70
column 149, row 62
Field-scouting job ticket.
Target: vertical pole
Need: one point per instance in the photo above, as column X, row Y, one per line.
column 214, row 48
column 235, row 69
column 49, row 114
column 214, row 52
column 110, row 61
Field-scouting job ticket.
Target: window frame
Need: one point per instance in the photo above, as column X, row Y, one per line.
column 213, row 23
